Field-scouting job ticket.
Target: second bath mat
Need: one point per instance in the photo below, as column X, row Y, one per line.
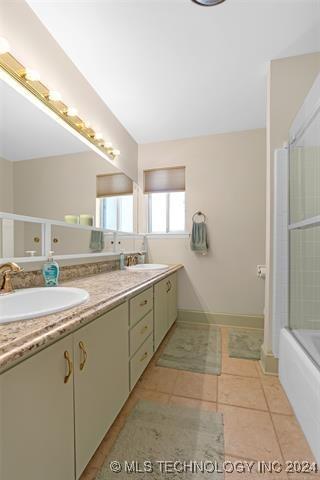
column 245, row 343
column 195, row 348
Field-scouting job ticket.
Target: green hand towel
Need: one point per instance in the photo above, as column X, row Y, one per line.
column 199, row 241
column 97, row 241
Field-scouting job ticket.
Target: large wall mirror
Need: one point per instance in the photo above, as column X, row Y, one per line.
column 49, row 173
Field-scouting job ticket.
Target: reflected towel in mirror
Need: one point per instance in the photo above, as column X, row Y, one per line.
column 97, row 241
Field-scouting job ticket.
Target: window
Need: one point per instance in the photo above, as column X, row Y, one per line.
column 166, row 212
column 115, row 202
column 166, row 199
column 116, row 213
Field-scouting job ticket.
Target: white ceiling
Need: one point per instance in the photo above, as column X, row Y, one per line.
column 172, row 69
column 27, row 132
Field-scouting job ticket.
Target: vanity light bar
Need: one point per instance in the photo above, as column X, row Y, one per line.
column 30, row 79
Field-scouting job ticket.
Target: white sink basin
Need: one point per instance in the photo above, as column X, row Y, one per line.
column 37, row 302
column 148, row 266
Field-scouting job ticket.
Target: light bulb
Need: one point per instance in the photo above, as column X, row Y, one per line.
column 108, row 145
column 87, row 125
column 4, row 46
column 54, row 96
column 98, row 136
column 115, row 152
column 72, row 112
column 31, row 75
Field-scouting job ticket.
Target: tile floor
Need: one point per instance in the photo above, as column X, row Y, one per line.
column 258, row 421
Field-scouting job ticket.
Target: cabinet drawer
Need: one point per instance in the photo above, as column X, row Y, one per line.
column 140, row 360
column 140, row 305
column 140, row 332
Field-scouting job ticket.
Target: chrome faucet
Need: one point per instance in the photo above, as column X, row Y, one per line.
column 6, row 270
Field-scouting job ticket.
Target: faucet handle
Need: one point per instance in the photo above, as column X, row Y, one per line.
column 7, row 270
column 10, row 273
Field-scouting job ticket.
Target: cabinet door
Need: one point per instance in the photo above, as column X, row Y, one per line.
column 101, row 382
column 36, row 417
column 172, row 300
column 160, row 311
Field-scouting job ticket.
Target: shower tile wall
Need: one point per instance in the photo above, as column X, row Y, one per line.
column 305, row 279
column 305, row 243
column 304, row 183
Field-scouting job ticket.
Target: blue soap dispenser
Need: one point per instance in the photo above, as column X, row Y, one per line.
column 50, row 271
column 122, row 260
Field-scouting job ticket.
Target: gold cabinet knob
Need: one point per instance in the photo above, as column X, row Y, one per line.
column 143, row 329
column 144, row 356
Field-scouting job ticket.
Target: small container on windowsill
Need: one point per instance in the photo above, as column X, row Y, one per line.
column 73, row 219
column 86, row 219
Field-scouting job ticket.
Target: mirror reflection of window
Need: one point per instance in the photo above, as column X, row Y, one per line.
column 116, row 213
column 115, row 202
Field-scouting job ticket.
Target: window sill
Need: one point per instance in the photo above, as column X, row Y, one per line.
column 168, row 235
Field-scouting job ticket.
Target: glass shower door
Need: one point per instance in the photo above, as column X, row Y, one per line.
column 304, row 236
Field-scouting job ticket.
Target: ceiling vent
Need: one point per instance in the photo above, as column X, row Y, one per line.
column 208, row 3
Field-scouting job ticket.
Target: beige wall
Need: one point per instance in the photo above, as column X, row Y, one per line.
column 225, row 178
column 32, row 44
column 290, row 79
column 6, row 186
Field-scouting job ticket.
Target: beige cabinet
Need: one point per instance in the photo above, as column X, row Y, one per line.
column 36, row 416
column 172, row 299
column 101, row 380
column 165, row 307
column 56, row 406
column 160, row 312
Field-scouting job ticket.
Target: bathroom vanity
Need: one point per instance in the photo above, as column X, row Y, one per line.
column 65, row 383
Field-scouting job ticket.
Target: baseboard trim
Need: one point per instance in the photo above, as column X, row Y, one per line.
column 231, row 320
column 269, row 363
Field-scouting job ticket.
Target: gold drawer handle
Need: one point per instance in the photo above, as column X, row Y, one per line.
column 144, row 356
column 85, row 355
column 143, row 329
column 69, row 365
column 143, row 303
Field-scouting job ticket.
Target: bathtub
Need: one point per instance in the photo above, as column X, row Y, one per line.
column 299, row 374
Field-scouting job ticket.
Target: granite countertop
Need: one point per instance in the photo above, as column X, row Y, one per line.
column 20, row 339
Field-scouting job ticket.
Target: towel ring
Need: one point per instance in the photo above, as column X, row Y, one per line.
column 199, row 214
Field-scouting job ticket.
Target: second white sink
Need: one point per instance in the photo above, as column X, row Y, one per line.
column 37, row 302
column 148, row 266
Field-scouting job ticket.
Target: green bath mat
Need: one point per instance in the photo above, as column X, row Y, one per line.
column 196, row 348
column 157, row 433
column 245, row 343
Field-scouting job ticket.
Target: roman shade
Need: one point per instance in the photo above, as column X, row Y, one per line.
column 165, row 180
column 114, row 184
